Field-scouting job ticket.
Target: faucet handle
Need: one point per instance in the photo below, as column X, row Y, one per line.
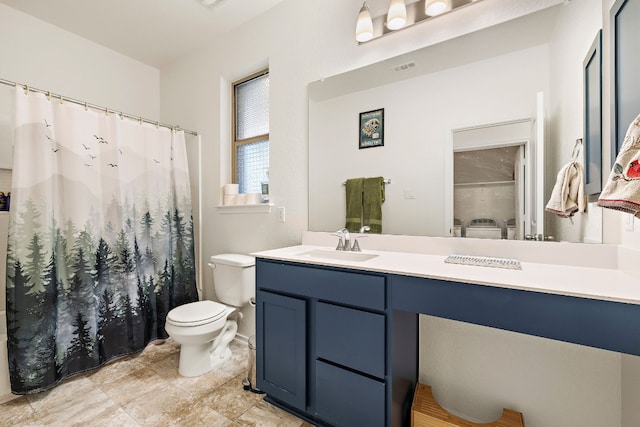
column 340, row 246
column 356, row 245
column 364, row 229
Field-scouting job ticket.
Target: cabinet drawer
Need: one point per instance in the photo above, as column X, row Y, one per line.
column 351, row 338
column 358, row 289
column 348, row 399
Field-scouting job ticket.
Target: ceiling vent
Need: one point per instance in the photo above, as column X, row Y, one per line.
column 403, row 67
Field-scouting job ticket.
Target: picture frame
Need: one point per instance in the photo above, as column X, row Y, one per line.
column 592, row 69
column 371, row 129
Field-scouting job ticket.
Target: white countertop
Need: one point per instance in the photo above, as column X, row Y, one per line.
column 611, row 284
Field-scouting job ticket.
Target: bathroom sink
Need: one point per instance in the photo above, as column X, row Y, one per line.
column 339, row 255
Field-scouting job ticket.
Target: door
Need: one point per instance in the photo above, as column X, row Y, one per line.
column 281, row 338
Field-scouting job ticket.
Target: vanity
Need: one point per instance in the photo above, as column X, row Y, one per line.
column 337, row 338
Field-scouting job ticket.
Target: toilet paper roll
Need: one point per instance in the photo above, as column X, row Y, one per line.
column 242, row 199
column 230, row 199
column 230, row 189
column 253, row 198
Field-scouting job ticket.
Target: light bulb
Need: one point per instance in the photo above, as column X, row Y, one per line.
column 435, row 7
column 397, row 15
column 364, row 26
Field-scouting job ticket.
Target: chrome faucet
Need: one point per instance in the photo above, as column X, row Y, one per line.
column 345, row 239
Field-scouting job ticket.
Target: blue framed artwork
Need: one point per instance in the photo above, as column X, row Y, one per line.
column 371, row 129
column 592, row 66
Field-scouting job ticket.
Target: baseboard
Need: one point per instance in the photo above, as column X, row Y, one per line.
column 8, row 397
column 242, row 339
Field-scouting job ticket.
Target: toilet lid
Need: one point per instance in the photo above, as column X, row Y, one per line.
column 197, row 313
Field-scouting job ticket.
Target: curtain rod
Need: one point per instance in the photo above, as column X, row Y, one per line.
column 95, row 107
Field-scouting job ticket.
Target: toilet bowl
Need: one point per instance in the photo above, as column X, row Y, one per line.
column 203, row 328
column 194, row 326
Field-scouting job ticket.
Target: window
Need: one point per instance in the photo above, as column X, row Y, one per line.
column 251, row 132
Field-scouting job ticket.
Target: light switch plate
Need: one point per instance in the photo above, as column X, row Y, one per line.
column 628, row 222
column 409, row 193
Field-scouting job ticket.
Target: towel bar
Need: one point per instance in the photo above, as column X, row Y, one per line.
column 386, row 181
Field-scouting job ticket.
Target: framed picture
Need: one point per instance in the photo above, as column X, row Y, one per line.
column 371, row 128
column 593, row 117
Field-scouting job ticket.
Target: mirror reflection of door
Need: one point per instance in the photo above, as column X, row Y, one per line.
column 489, row 192
column 493, row 181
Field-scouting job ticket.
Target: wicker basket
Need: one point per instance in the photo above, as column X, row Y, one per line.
column 426, row 412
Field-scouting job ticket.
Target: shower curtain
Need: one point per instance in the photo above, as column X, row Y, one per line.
column 100, row 238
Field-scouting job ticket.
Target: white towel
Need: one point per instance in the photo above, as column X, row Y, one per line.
column 622, row 191
column 567, row 196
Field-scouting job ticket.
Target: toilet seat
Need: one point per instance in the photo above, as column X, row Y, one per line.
column 197, row 313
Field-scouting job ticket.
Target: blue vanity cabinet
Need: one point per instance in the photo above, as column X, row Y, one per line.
column 324, row 350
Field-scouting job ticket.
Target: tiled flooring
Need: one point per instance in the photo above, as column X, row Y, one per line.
column 146, row 390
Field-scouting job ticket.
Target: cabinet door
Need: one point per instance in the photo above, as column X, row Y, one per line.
column 281, row 348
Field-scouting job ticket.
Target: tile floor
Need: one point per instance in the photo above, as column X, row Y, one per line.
column 146, row 390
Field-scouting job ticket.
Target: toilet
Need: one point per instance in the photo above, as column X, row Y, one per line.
column 203, row 328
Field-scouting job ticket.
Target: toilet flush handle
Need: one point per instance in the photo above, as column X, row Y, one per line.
column 212, row 265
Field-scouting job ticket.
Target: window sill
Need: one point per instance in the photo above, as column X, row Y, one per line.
column 260, row 208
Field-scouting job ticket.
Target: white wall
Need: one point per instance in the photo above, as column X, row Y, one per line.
column 49, row 58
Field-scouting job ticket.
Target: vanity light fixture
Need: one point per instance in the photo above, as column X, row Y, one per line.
column 435, row 7
column 364, row 26
column 397, row 15
column 402, row 14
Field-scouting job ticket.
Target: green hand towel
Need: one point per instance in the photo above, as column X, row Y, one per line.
column 373, row 199
column 353, row 189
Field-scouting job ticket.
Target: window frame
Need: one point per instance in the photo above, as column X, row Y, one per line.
column 235, row 142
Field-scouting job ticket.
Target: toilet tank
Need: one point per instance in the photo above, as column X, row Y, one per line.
column 234, row 278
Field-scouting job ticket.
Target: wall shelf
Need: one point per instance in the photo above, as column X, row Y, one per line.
column 261, row 208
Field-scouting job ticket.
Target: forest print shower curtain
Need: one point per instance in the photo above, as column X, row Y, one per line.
column 100, row 238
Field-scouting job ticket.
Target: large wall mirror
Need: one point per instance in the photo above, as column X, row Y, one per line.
column 492, row 76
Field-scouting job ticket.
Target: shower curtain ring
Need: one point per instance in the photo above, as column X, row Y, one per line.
column 61, row 99
column 157, row 124
column 49, row 96
column 86, row 106
column 26, row 89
